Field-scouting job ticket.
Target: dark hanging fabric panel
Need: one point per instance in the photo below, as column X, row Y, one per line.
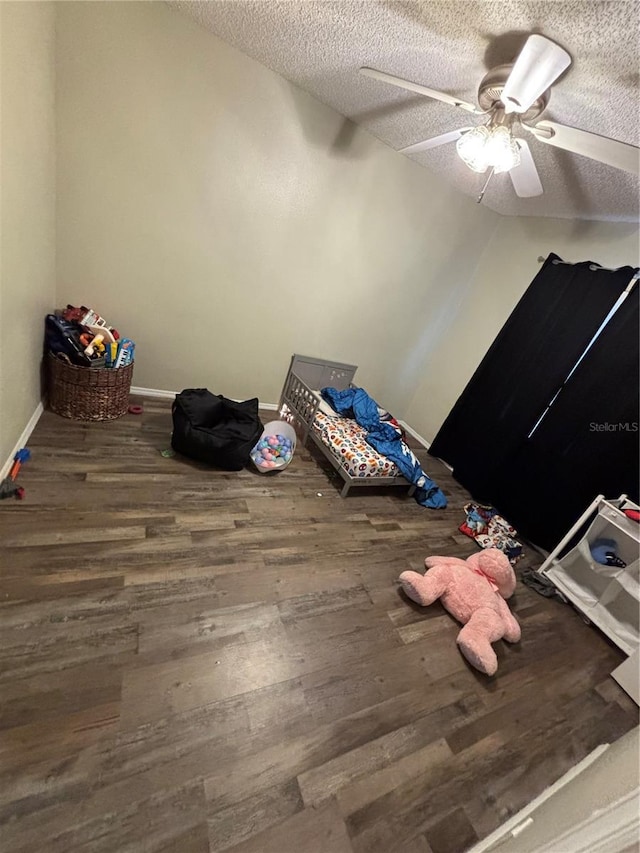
column 527, row 363
column 587, row 443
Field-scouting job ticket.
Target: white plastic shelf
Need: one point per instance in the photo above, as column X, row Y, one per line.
column 608, row 596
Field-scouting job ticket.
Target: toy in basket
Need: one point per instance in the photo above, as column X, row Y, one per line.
column 89, row 366
column 275, row 449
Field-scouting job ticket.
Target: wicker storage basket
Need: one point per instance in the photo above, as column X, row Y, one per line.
column 86, row 393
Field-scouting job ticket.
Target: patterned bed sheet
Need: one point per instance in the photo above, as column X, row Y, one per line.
column 347, row 441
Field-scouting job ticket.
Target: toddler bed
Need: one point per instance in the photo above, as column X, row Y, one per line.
column 341, row 440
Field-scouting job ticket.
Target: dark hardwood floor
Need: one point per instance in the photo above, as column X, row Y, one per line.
column 195, row 660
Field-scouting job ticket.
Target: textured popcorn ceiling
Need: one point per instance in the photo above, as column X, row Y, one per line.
column 449, row 46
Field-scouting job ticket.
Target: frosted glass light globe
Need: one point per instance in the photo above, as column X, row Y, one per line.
column 472, row 148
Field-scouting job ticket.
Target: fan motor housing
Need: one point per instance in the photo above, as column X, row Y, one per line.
column 492, row 86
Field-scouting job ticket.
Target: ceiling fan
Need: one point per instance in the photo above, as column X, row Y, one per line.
column 510, row 97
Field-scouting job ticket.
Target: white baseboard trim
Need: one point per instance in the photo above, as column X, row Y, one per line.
column 423, row 441
column 158, row 393
column 23, row 440
column 161, row 394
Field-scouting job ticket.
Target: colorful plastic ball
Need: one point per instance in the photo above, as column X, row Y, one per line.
column 273, row 451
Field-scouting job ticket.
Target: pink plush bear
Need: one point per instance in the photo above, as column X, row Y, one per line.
column 474, row 592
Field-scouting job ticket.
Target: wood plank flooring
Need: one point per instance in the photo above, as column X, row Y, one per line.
column 197, row 661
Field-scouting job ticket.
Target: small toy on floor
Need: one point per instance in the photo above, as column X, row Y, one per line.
column 19, row 460
column 474, row 592
column 9, row 487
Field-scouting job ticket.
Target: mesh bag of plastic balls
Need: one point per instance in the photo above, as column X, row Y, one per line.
column 275, row 447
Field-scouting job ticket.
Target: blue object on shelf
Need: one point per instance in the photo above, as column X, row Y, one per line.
column 605, row 552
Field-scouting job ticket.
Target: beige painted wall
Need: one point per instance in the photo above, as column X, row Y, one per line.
column 504, row 272
column 27, row 207
column 225, row 219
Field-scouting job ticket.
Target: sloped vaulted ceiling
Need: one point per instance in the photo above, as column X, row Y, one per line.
column 320, row 44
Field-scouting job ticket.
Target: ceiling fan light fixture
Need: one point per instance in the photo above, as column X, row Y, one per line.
column 485, row 147
column 472, row 148
column 502, row 151
column 514, row 95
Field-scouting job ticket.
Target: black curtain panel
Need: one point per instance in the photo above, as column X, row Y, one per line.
column 587, row 443
column 527, row 363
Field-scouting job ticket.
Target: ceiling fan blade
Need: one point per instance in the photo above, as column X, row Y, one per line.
column 435, row 141
column 421, row 90
column 540, row 62
column 525, row 178
column 614, row 153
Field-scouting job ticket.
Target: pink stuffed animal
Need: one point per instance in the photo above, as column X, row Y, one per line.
column 474, row 592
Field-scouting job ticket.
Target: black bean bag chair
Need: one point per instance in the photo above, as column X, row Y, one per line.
column 212, row 429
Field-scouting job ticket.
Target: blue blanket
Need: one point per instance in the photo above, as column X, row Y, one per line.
column 383, row 437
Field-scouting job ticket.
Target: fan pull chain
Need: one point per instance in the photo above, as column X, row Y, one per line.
column 484, row 188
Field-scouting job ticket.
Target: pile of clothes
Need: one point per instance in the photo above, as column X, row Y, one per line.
column 491, row 530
